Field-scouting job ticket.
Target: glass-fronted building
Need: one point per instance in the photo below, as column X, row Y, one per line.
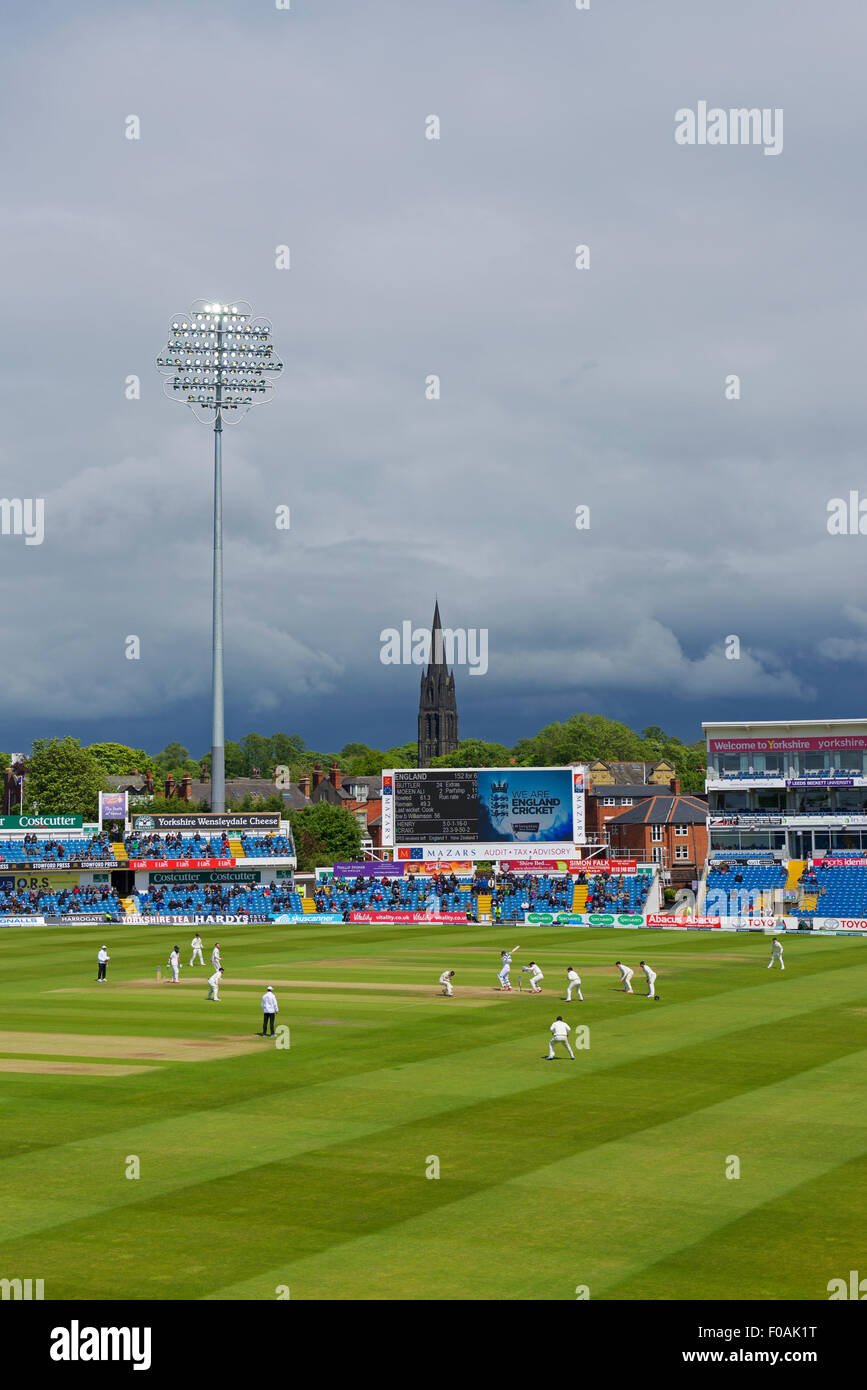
column 793, row 789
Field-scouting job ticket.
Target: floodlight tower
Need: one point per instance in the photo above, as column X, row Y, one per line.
column 219, row 361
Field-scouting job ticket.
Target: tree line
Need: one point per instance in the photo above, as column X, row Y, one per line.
column 581, row 738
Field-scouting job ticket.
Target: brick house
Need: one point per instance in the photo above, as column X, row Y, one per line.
column 665, row 828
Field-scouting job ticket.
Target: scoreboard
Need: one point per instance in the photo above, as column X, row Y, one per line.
column 483, row 808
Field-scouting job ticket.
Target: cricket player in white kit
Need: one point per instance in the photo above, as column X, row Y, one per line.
column 650, row 976
column 536, row 977
column 197, row 950
column 270, row 1010
column 175, row 963
column 102, row 959
column 626, row 974
column 574, row 982
column 559, row 1034
column 446, row 982
column 503, row 976
column 776, row 952
column 215, row 956
column 214, row 982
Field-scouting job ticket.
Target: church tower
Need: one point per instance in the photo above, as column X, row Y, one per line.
column 437, row 708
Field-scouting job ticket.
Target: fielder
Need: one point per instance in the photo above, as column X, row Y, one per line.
column 776, row 952
column 559, row 1034
column 102, row 959
column 650, row 976
column 535, row 976
column 574, row 982
column 626, row 974
column 506, row 957
column 197, row 950
column 175, row 964
column 215, row 957
column 446, row 981
column 214, row 982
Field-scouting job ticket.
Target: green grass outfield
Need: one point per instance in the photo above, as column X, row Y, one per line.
column 306, row 1167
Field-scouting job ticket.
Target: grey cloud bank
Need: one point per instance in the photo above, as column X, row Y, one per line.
column 454, row 257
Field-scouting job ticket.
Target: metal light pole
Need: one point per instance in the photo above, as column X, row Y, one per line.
column 219, row 360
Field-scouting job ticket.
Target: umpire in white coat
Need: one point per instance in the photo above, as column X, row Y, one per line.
column 270, row 1009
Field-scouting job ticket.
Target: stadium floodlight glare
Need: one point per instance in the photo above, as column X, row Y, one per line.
column 219, row 361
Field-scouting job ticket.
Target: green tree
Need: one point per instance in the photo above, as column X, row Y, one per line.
column 63, row 779
column 475, row 752
column 234, row 762
column 285, row 750
column 173, row 753
column 160, row 807
column 405, row 755
column 175, row 759
column 117, row 758
column 256, row 752
column 324, row 834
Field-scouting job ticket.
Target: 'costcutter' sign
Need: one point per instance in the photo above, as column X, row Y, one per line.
column 41, row 822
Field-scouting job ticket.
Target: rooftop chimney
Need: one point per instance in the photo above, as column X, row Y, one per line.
column 170, row 786
column 335, row 776
column 149, row 779
column 675, row 785
column 317, row 775
column 187, row 787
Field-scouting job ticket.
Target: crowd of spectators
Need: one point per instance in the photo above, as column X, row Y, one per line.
column 617, row 893
column 217, row 846
column 36, row 849
column 271, row 846
column 159, row 846
column 177, row 899
column 60, row 902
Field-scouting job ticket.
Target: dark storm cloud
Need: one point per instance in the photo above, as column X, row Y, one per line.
column 455, row 257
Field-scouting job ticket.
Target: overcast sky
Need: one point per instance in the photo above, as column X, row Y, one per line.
column 410, row 257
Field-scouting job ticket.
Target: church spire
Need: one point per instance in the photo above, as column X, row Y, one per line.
column 437, row 710
column 437, row 654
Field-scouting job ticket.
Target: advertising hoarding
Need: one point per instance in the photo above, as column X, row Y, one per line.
column 112, row 806
column 33, row 864
column 35, row 822
column 482, row 808
column 179, row 864
column 407, row 916
column 369, row 869
column 259, row 821
column 812, row 744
